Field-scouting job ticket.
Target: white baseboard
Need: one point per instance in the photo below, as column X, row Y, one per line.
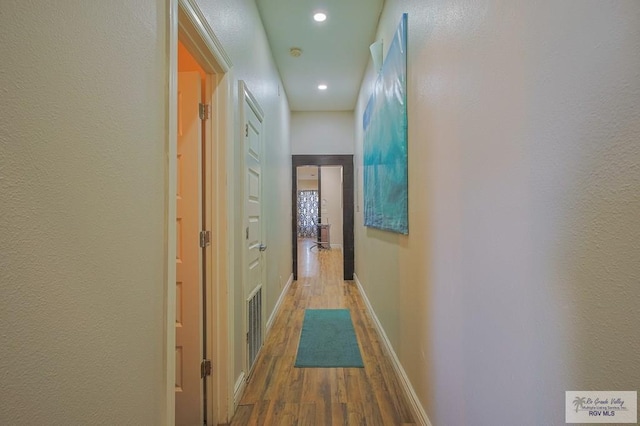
column 416, row 408
column 276, row 308
column 238, row 389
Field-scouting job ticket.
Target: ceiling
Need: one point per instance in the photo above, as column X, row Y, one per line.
column 334, row 52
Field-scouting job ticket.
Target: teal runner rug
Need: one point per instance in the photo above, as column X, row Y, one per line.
column 328, row 340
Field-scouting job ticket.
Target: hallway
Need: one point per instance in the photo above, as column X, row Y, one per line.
column 516, row 284
column 278, row 393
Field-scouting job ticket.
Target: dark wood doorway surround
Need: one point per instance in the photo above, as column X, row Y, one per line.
column 346, row 161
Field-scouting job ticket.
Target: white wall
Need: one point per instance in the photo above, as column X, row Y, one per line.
column 82, row 178
column 237, row 24
column 307, row 185
column 519, row 277
column 322, row 132
column 331, row 202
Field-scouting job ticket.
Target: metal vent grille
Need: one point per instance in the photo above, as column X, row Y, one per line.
column 254, row 334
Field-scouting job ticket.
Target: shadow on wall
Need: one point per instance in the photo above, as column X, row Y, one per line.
column 387, row 237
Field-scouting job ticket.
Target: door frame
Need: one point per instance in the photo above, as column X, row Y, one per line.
column 346, row 161
column 187, row 23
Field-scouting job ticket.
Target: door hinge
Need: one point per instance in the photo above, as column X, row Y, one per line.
column 205, row 368
column 247, row 337
column 205, row 238
column 205, row 111
column 247, row 234
column 246, row 130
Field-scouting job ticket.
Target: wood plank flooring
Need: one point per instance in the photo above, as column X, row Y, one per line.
column 280, row 394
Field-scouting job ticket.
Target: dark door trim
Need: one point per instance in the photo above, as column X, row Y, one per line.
column 346, row 161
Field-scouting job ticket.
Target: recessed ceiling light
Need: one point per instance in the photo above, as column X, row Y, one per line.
column 319, row 16
column 322, row 87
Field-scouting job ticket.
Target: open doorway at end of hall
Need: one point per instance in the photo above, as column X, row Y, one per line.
column 333, row 209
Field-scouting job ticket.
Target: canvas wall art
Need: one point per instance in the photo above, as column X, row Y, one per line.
column 385, row 171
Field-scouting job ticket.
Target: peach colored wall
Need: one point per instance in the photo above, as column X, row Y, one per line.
column 186, row 62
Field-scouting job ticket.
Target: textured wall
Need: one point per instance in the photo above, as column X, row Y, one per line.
column 237, row 24
column 322, row 132
column 82, row 170
column 519, row 278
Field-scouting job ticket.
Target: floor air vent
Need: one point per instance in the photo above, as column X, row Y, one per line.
column 254, row 334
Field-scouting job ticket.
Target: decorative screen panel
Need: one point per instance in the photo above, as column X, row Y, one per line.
column 307, row 214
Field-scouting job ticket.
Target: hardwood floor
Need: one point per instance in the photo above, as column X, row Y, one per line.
column 280, row 394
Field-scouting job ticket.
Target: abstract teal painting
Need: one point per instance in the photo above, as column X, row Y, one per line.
column 385, row 171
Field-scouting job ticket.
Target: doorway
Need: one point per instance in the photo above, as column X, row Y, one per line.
column 335, row 167
column 319, row 205
column 191, row 338
column 195, row 51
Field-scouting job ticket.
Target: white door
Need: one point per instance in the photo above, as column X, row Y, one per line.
column 189, row 408
column 254, row 268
